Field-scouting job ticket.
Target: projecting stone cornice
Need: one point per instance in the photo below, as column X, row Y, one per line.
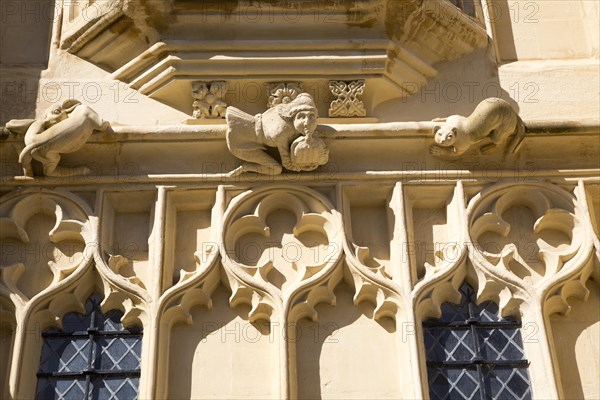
column 160, row 48
column 559, row 151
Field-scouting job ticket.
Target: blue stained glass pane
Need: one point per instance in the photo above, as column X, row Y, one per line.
column 118, row 353
column 453, row 383
column 500, row 344
column 67, row 351
column 111, row 321
column 486, row 311
column 64, row 355
column 115, row 388
column 478, row 338
column 455, row 312
column 506, row 382
column 443, row 344
column 61, row 388
column 75, row 322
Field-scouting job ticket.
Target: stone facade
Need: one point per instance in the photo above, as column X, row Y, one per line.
column 287, row 199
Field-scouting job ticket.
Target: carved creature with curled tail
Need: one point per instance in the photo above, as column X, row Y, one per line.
column 493, row 120
column 64, row 129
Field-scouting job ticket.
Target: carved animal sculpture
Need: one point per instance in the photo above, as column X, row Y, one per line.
column 492, row 119
column 64, row 129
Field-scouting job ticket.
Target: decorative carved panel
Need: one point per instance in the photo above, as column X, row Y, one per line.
column 277, row 244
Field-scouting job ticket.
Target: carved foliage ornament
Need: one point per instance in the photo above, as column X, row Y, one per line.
column 492, row 125
column 282, row 92
column 209, row 99
column 347, row 102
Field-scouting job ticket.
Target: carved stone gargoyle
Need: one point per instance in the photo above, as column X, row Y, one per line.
column 493, row 120
column 288, row 127
column 65, row 128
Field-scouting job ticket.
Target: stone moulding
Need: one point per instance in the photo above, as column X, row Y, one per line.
column 412, row 35
column 75, row 271
column 395, row 148
column 557, row 224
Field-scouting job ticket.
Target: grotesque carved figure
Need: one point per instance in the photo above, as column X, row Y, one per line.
column 64, row 129
column 208, row 101
column 288, row 127
column 493, row 119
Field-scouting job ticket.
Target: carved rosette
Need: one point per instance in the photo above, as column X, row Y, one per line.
column 281, row 249
column 347, row 102
column 282, row 92
column 530, row 243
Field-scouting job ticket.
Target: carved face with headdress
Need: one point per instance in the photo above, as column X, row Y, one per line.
column 302, row 112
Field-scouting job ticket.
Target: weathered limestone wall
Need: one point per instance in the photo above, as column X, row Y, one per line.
column 314, row 283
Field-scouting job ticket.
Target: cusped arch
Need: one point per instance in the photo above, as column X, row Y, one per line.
column 311, row 267
column 551, row 223
column 441, row 284
column 73, row 221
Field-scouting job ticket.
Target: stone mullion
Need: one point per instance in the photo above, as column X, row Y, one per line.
column 537, row 346
column 151, row 339
column 407, row 348
column 435, row 290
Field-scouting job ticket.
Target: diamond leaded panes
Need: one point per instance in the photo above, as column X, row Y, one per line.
column 473, row 353
column 92, row 357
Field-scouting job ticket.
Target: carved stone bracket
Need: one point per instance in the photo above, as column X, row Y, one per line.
column 347, row 102
column 209, row 99
column 282, row 92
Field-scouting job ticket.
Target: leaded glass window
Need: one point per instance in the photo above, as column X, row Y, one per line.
column 472, row 353
column 92, row 357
